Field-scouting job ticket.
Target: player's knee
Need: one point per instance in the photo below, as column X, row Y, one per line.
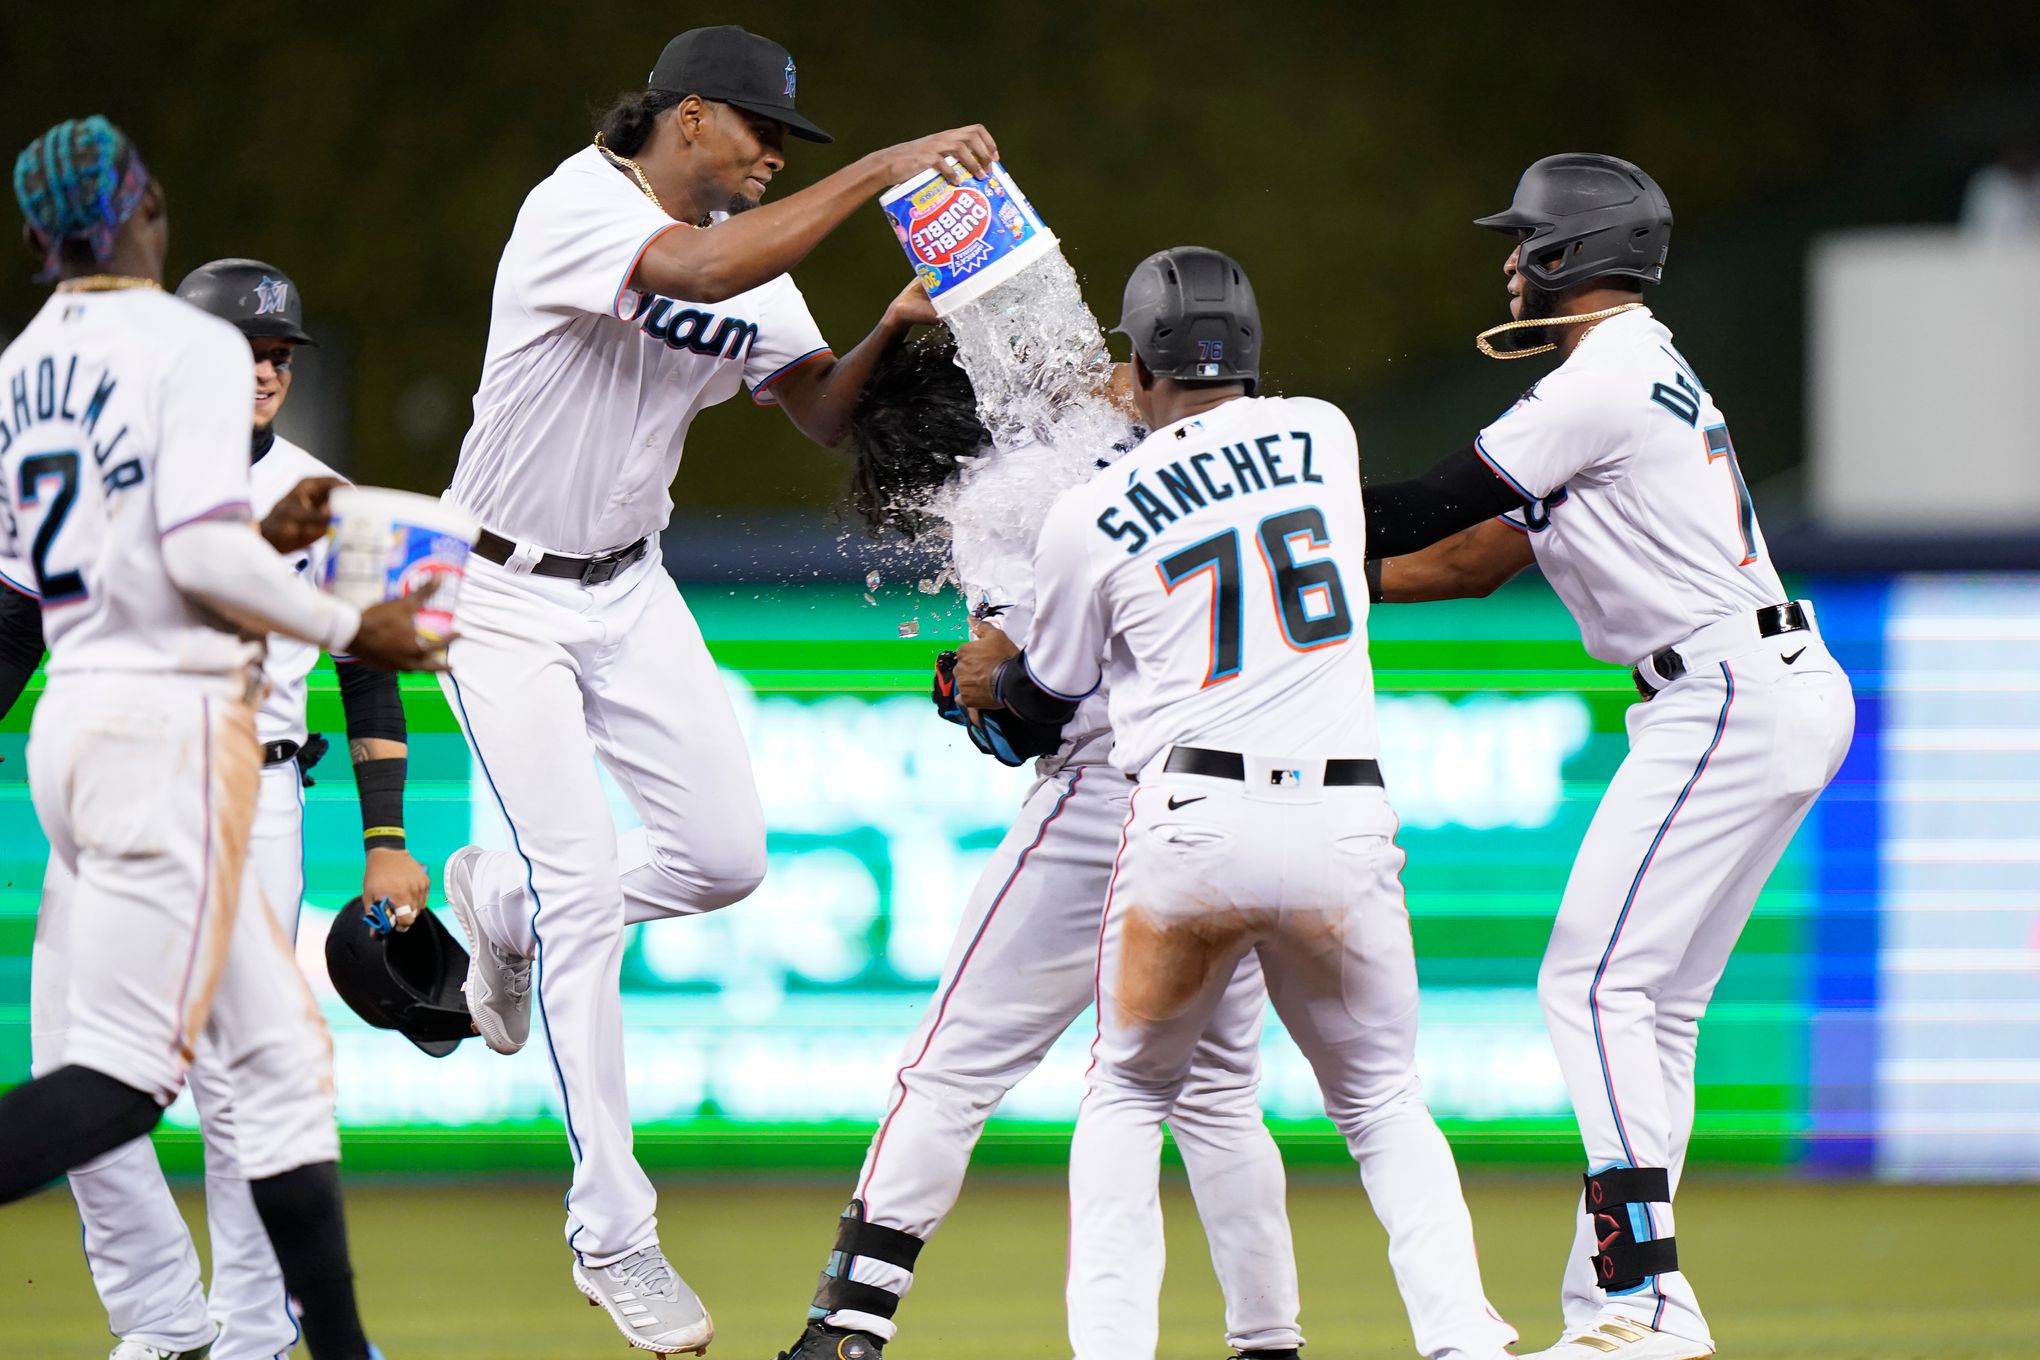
column 732, row 872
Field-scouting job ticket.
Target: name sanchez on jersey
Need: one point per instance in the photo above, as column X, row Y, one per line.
column 1206, row 477
column 55, row 401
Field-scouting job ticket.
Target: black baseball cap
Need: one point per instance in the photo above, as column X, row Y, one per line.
column 728, row 64
column 259, row 299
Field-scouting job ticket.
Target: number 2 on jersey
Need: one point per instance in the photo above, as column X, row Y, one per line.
column 56, row 587
column 1309, row 597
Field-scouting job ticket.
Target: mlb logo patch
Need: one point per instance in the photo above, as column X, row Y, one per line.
column 1290, row 778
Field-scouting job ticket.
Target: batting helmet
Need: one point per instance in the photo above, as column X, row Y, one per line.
column 408, row 981
column 257, row 298
column 1583, row 216
column 1191, row 315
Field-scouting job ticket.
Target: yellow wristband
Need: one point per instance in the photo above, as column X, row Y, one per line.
column 393, row 832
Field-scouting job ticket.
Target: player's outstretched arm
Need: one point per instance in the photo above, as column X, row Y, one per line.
column 748, row 249
column 820, row 398
column 226, row 565
column 1457, row 492
column 1469, row 565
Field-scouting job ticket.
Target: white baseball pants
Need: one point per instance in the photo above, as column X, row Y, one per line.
column 140, row 1252
column 549, row 676
column 1305, row 877
column 1722, row 768
column 1020, row 970
column 146, row 788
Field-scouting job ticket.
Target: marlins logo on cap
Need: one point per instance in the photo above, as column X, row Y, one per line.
column 271, row 296
column 789, row 78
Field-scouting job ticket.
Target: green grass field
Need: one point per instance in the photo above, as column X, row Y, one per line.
column 1787, row 1269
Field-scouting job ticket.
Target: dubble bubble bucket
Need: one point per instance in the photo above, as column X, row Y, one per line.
column 964, row 239
column 381, row 545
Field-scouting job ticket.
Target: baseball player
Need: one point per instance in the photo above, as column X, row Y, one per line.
column 1212, row 577
column 125, row 495
column 615, row 320
column 1020, row 968
column 140, row 1252
column 1615, row 472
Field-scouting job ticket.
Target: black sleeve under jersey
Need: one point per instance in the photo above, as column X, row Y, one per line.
column 373, row 705
column 1457, row 492
column 21, row 644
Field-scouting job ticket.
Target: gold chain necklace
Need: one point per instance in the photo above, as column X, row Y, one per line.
column 1589, row 320
column 106, row 283
column 635, row 169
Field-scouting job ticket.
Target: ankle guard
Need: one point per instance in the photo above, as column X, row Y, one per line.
column 1629, row 1255
column 837, row 1292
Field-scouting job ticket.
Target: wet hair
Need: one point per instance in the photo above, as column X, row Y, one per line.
column 626, row 125
column 914, row 426
column 76, row 184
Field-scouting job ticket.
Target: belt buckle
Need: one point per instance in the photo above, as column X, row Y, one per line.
column 598, row 570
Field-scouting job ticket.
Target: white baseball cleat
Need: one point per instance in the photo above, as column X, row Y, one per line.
column 136, row 1350
column 646, row 1298
column 498, row 986
column 1623, row 1338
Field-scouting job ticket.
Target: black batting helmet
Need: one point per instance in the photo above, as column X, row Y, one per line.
column 408, row 980
column 1191, row 315
column 259, row 299
column 1584, row 216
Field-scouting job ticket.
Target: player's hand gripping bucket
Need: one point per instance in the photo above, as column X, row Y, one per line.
column 965, row 239
column 381, row 545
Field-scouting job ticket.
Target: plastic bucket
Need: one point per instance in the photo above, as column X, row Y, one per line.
column 382, row 545
column 965, row 239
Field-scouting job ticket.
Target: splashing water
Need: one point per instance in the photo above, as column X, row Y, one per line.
column 1039, row 365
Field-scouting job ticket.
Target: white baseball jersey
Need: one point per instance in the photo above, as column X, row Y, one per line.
column 1644, row 526
column 995, row 562
column 123, row 417
column 589, row 385
column 1213, row 577
column 288, row 662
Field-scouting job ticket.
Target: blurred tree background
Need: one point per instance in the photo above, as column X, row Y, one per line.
column 378, row 152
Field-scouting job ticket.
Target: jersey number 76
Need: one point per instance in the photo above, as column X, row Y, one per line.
column 1308, row 597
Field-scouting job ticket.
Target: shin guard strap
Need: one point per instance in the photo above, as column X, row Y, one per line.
column 1626, row 1258
column 836, row 1294
column 855, row 1237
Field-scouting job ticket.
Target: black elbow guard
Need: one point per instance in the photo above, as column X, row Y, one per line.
column 1017, row 691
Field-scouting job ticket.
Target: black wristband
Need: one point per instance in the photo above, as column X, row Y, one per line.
column 1373, row 573
column 381, row 785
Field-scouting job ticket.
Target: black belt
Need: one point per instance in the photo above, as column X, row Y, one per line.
column 277, row 752
column 1232, row 765
column 589, row 571
column 1772, row 620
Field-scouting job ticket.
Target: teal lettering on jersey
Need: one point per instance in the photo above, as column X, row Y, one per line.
column 690, row 328
column 1201, row 480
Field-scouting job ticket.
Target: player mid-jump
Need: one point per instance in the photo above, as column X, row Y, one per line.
column 616, row 318
column 1616, row 473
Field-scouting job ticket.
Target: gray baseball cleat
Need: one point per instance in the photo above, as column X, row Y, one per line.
column 136, row 1350
column 498, row 986
column 648, row 1301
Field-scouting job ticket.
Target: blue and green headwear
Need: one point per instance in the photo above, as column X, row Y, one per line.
column 78, row 182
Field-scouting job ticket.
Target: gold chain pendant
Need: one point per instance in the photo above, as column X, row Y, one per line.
column 634, row 168
column 1587, row 319
column 106, row 283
